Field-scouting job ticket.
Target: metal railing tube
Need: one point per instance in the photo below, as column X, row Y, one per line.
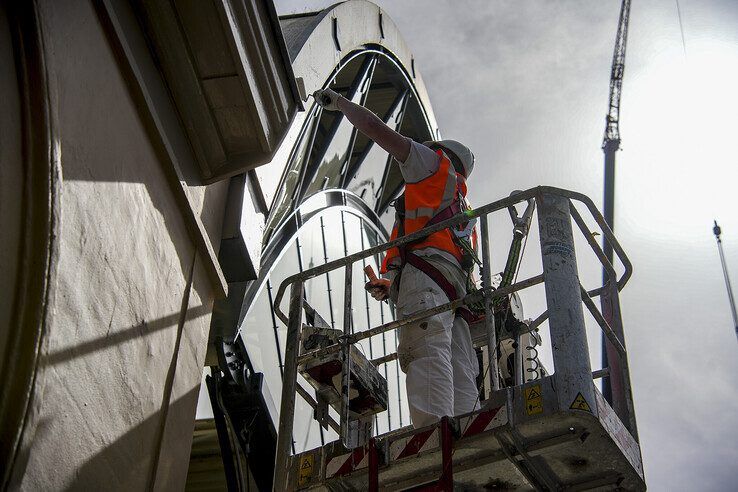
column 421, row 315
column 564, row 297
column 346, row 353
column 384, row 359
column 601, row 373
column 381, row 248
column 450, row 306
column 622, row 396
column 289, row 383
column 517, row 338
column 538, row 321
column 592, row 243
column 489, row 319
column 604, row 325
column 314, row 404
column 479, row 212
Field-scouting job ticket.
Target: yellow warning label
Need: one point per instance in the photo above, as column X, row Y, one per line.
column 533, row 400
column 306, row 470
column 580, row 403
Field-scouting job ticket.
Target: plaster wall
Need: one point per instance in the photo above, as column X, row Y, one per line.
column 115, row 394
column 120, row 370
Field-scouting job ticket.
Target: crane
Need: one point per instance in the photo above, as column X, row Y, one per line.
column 611, row 140
column 610, row 145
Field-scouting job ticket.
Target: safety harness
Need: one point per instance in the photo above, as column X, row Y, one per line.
column 468, row 256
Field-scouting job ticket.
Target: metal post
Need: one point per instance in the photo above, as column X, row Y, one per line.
column 489, row 318
column 289, row 385
column 373, row 466
column 446, row 481
column 573, row 373
column 518, row 376
column 619, row 374
column 609, row 356
column 346, row 353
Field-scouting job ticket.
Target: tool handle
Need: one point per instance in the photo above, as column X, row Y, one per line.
column 369, row 271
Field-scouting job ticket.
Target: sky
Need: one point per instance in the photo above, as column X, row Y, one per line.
column 525, row 85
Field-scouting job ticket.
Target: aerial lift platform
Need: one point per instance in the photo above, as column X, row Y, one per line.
column 545, row 432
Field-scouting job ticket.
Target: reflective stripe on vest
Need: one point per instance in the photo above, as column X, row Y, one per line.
column 423, row 200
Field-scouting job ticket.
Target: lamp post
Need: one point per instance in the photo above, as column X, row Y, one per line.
column 716, row 230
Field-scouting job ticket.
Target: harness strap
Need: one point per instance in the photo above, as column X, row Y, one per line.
column 435, row 274
column 448, row 212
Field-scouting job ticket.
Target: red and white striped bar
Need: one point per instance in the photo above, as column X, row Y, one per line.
column 483, row 421
column 347, row 463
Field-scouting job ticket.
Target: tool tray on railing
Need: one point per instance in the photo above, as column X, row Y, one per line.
column 369, row 393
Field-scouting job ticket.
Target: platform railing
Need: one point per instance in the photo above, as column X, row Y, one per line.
column 564, row 297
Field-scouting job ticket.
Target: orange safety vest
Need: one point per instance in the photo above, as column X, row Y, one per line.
column 423, row 200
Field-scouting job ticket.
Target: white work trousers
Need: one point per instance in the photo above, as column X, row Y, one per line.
column 436, row 354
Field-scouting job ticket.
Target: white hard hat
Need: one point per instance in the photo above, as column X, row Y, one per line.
column 455, row 150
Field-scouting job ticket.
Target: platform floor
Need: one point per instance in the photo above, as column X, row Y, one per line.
column 500, row 447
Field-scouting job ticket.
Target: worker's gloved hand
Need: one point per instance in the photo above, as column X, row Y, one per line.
column 379, row 289
column 327, row 99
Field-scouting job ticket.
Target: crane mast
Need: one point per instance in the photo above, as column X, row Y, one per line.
column 611, row 141
column 610, row 145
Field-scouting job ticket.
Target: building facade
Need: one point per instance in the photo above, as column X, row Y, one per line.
column 160, row 176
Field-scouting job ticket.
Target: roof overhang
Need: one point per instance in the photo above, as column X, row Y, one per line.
column 229, row 74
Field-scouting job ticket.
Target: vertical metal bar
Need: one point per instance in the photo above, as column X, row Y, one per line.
column 327, row 274
column 616, row 388
column 608, row 351
column 373, row 466
column 446, row 482
column 315, row 408
column 274, row 327
column 612, row 387
column 346, row 353
column 489, row 319
column 518, row 360
column 573, row 371
column 619, row 375
column 386, row 369
column 289, row 384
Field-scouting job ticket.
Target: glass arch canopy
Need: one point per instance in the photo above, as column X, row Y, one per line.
column 329, row 153
column 333, row 200
column 328, row 235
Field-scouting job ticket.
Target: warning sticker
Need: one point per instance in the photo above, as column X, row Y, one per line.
column 533, row 400
column 580, row 403
column 306, row 470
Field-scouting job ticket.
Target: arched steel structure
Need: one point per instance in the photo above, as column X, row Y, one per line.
column 332, row 196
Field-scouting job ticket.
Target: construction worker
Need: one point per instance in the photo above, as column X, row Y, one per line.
column 436, row 354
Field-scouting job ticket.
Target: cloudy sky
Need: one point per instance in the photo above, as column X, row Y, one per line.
column 525, row 85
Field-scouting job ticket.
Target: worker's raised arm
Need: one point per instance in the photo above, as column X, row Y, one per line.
column 367, row 123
